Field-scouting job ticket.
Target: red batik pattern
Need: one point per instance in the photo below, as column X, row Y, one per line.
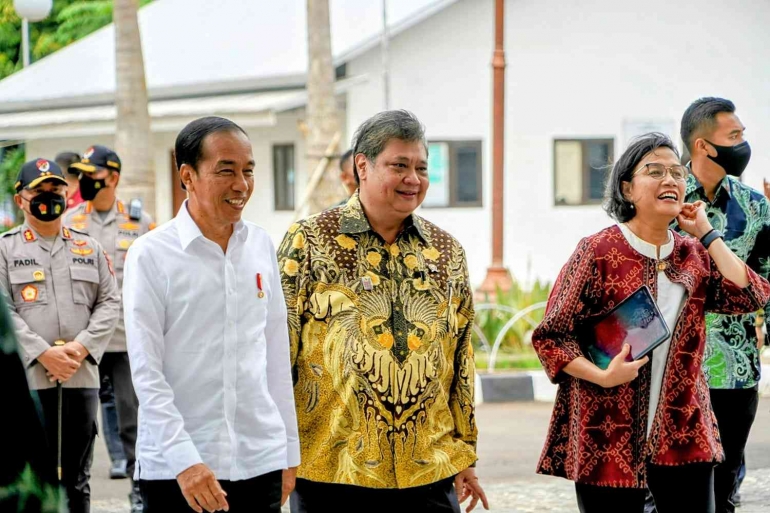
column 599, row 436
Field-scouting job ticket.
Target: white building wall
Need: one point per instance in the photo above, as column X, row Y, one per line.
column 574, row 69
column 259, row 209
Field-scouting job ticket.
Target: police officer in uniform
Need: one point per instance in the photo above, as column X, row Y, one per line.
column 116, row 226
column 65, row 305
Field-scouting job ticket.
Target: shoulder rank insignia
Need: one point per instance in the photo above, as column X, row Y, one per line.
column 152, row 226
column 121, row 207
column 89, row 207
column 29, row 235
column 29, row 294
column 66, row 232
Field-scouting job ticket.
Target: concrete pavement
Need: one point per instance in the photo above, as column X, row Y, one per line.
column 511, row 437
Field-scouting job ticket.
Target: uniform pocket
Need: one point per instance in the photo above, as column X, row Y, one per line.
column 85, row 284
column 28, row 287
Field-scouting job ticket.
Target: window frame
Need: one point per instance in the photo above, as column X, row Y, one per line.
column 585, row 200
column 278, row 206
column 453, row 146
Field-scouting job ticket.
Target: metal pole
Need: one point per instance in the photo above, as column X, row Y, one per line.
column 25, row 41
column 384, row 51
column 497, row 275
column 59, row 392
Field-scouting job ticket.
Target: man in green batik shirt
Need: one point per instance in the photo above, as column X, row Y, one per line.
column 714, row 137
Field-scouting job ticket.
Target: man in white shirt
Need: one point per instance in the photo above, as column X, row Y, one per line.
column 208, row 344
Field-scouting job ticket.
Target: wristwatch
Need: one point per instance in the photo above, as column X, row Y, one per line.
column 710, row 237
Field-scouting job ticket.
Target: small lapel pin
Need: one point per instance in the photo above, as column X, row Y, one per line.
column 261, row 293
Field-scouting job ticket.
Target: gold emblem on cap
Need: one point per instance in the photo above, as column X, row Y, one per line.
column 38, row 275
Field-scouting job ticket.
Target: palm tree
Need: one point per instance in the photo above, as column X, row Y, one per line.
column 322, row 118
column 133, row 141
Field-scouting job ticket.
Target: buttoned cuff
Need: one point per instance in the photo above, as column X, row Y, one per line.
column 293, row 454
column 182, row 456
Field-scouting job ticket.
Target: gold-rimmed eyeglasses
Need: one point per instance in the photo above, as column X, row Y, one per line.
column 658, row 171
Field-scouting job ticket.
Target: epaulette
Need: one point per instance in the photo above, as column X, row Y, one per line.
column 10, row 232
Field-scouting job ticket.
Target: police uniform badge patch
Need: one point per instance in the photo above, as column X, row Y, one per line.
column 82, row 251
column 129, row 226
column 29, row 235
column 66, row 233
column 124, row 243
column 80, row 243
column 38, row 276
column 29, row 294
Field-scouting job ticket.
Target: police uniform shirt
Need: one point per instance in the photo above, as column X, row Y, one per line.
column 59, row 290
column 115, row 232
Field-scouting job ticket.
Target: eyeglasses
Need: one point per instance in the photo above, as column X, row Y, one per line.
column 658, row 171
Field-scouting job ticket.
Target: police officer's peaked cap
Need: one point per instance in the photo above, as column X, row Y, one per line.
column 98, row 157
column 37, row 171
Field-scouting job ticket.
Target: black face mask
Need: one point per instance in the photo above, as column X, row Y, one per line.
column 47, row 206
column 733, row 159
column 89, row 187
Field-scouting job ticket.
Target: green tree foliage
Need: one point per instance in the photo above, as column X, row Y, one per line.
column 69, row 21
column 11, row 160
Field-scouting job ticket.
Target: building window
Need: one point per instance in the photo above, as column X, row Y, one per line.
column 454, row 168
column 283, row 176
column 581, row 167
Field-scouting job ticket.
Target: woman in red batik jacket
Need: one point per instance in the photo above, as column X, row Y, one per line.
column 646, row 423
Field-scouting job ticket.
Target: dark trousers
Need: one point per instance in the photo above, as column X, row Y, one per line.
column 314, row 497
column 256, row 495
column 735, row 411
column 110, row 431
column 687, row 488
column 116, row 368
column 79, row 408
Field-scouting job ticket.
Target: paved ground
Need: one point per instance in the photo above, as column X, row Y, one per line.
column 512, row 435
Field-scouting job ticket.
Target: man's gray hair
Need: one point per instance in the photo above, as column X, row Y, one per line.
column 374, row 133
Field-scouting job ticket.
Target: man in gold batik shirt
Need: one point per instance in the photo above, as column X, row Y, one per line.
column 380, row 313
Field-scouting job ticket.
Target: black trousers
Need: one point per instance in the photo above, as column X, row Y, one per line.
column 314, row 497
column 79, row 407
column 256, row 495
column 735, row 411
column 687, row 488
column 115, row 366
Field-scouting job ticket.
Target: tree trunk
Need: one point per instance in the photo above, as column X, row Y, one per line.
column 322, row 118
column 133, row 139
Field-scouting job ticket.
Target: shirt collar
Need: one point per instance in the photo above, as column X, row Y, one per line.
column 644, row 247
column 694, row 185
column 353, row 220
column 188, row 230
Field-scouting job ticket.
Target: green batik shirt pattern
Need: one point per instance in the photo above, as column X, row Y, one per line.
column 742, row 214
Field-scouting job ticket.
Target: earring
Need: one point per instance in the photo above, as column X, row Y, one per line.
column 632, row 206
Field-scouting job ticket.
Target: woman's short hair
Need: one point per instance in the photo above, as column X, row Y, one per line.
column 615, row 203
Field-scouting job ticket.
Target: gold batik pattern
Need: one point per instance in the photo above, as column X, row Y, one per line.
column 381, row 346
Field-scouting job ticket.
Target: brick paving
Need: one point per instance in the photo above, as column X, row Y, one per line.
column 511, row 438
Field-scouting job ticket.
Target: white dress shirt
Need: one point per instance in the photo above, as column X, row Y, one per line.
column 670, row 300
column 209, row 356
